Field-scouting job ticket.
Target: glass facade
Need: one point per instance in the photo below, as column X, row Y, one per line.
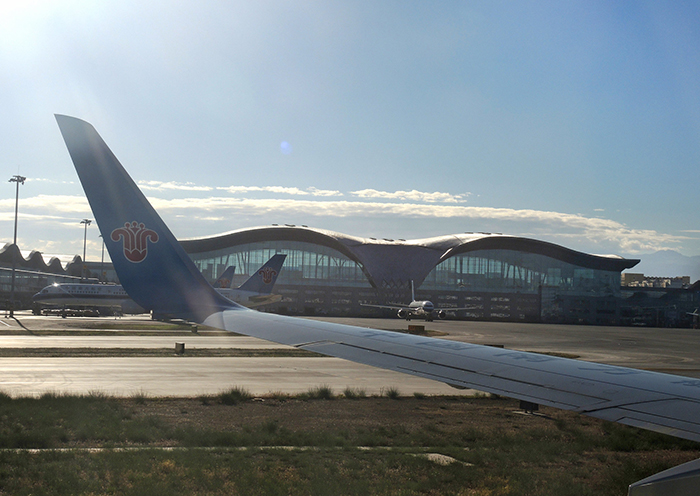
column 492, row 283
column 497, row 270
column 516, row 271
column 306, row 263
column 30, row 280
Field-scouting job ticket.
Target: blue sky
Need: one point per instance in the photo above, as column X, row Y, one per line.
column 571, row 122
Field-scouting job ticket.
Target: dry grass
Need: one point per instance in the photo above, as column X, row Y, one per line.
column 310, row 445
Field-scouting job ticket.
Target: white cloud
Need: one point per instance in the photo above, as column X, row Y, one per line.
column 49, row 203
column 280, row 190
column 163, row 186
column 412, row 195
column 566, row 229
column 554, row 225
column 324, row 192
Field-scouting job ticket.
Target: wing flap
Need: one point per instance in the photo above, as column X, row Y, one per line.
column 676, row 417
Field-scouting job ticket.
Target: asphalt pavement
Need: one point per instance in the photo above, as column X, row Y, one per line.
column 667, row 350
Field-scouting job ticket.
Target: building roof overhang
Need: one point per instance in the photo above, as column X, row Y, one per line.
column 397, row 262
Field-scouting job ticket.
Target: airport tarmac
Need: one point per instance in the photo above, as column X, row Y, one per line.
column 674, row 351
column 174, row 375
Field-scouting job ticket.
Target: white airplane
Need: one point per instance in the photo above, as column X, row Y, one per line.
column 161, row 277
column 417, row 309
column 86, row 295
column 92, row 295
column 255, row 292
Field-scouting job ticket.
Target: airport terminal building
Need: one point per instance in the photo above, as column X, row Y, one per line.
column 497, row 277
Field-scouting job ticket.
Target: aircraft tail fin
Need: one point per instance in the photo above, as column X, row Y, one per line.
column 265, row 277
column 413, row 292
column 152, row 266
column 226, row 279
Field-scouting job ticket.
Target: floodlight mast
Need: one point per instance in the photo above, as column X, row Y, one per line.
column 18, row 180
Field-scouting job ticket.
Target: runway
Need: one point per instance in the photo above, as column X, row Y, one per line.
column 668, row 350
column 181, row 375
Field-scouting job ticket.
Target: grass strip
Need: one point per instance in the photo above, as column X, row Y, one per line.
column 317, row 443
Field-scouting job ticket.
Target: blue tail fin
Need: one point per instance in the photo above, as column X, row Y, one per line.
column 150, row 263
column 265, row 277
column 224, row 281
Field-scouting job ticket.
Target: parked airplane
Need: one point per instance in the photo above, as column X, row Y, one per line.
column 417, row 309
column 161, row 277
column 84, row 295
column 114, row 297
column 257, row 290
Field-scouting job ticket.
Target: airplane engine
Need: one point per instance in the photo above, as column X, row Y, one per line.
column 403, row 314
column 441, row 314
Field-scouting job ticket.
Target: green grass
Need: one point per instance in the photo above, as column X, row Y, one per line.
column 354, row 393
column 323, row 392
column 391, row 392
column 53, row 421
column 266, row 454
column 234, row 396
column 256, row 472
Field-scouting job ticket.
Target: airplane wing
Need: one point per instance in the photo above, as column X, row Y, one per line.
column 152, row 265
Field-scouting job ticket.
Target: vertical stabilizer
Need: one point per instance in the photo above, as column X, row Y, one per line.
column 225, row 280
column 265, row 277
column 152, row 266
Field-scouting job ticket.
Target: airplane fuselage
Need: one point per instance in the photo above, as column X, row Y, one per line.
column 76, row 295
column 421, row 310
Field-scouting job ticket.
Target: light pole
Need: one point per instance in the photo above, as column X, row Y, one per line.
column 87, row 222
column 19, row 180
column 102, row 263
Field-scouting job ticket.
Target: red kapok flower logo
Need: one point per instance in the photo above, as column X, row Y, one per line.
column 135, row 238
column 267, row 274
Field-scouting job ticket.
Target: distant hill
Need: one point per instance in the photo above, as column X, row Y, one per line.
column 667, row 263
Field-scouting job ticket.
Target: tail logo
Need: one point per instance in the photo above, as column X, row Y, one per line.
column 267, row 274
column 135, row 238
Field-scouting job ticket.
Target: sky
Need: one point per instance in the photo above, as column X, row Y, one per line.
column 574, row 122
